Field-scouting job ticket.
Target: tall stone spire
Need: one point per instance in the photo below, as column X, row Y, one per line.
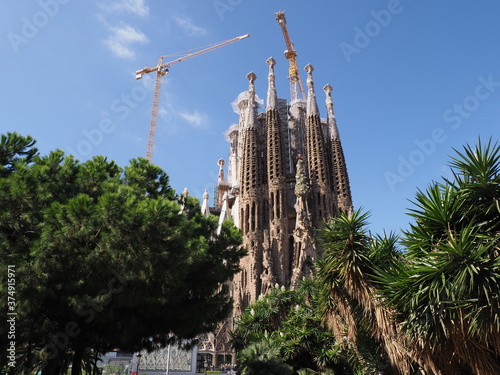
column 278, row 253
column 251, row 170
column 317, row 158
column 252, row 206
column 340, row 176
column 275, row 150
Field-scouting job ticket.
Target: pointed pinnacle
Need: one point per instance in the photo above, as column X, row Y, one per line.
column 309, row 69
column 332, row 122
column 251, row 77
column 328, row 91
column 251, row 100
column 312, row 105
column 271, row 91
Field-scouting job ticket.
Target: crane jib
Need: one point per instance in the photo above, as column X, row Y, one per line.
column 162, row 69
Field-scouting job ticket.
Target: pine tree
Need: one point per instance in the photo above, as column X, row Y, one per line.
column 105, row 258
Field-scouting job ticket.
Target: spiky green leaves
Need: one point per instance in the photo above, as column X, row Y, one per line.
column 287, row 323
column 448, row 293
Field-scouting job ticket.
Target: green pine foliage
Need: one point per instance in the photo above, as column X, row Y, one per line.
column 105, row 257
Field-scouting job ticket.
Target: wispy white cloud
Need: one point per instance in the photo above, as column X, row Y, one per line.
column 122, row 37
column 188, row 27
column 196, row 119
column 137, row 7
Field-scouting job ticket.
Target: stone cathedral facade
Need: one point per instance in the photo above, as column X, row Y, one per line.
column 286, row 173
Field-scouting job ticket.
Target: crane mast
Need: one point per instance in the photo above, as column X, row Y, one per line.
column 291, row 54
column 161, row 69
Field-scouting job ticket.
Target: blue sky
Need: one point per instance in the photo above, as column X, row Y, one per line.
column 412, row 79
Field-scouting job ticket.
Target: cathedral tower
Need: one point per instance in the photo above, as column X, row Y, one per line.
column 252, row 202
column 276, row 253
column 286, row 175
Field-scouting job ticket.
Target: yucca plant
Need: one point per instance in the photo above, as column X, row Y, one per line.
column 288, row 320
column 447, row 293
column 351, row 303
column 262, row 358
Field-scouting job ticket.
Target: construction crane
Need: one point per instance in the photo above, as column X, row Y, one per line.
column 291, row 54
column 161, row 69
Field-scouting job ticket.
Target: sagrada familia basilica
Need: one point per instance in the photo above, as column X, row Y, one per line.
column 286, row 173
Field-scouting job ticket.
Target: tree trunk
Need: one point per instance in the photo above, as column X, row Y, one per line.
column 76, row 368
column 52, row 366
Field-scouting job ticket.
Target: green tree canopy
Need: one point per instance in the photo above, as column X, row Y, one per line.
column 105, row 257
